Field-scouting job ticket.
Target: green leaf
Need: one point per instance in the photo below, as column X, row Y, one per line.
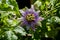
column 20, row 30
column 10, row 35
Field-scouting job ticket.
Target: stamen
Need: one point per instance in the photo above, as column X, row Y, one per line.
column 30, row 17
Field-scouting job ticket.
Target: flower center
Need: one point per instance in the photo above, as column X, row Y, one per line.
column 30, row 17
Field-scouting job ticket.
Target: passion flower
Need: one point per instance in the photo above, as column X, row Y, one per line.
column 30, row 18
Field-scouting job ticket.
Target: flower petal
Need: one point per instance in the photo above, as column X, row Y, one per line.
column 33, row 26
column 27, row 27
column 22, row 12
column 20, row 19
column 40, row 19
column 32, row 8
column 38, row 11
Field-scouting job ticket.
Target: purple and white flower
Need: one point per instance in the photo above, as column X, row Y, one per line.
column 30, row 17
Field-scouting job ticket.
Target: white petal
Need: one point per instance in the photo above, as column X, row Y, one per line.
column 40, row 19
column 38, row 11
column 20, row 19
column 32, row 6
column 21, row 11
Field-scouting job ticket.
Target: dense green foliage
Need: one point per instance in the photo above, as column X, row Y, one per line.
column 10, row 28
